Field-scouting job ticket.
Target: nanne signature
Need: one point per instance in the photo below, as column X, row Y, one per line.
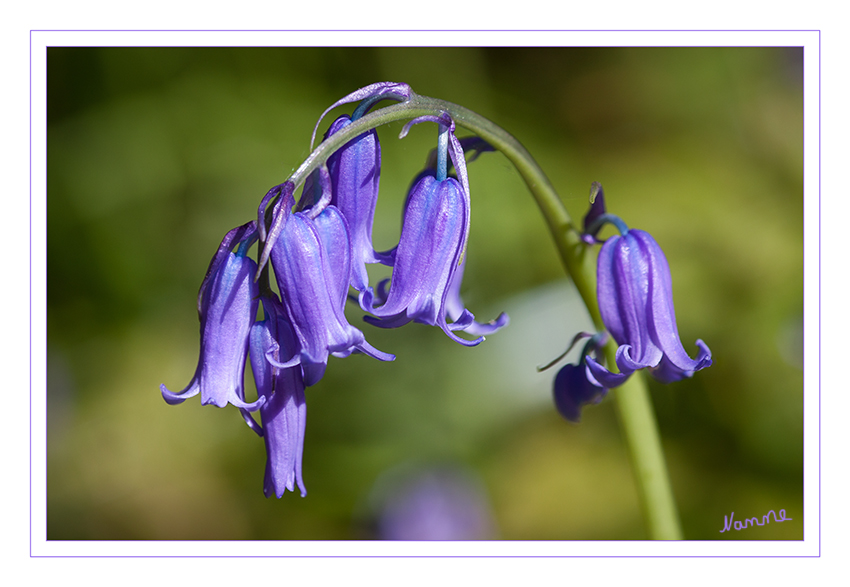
column 749, row 522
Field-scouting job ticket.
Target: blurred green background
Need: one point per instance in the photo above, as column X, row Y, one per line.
column 155, row 153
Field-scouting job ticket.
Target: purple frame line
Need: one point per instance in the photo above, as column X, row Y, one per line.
column 432, row 31
column 29, row 290
column 820, row 336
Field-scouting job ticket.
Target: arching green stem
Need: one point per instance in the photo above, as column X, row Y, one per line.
column 634, row 406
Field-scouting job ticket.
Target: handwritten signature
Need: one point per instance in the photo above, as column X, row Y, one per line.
column 750, row 522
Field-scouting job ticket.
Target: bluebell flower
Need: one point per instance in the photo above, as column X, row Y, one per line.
column 426, row 257
column 355, row 172
column 284, row 414
column 227, row 306
column 311, row 260
column 428, row 261
column 636, row 304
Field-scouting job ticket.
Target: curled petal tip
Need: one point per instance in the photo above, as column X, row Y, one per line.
column 704, row 356
column 463, row 322
column 373, row 93
column 456, row 338
column 369, row 350
column 443, row 118
column 602, row 377
column 252, row 424
column 479, row 329
column 295, row 360
column 173, row 399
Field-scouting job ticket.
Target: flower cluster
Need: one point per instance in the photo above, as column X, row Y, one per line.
column 318, row 250
column 635, row 295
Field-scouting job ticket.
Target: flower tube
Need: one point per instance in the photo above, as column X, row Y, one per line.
column 284, row 414
column 428, row 261
column 313, row 276
column 355, row 172
column 635, row 295
column 227, row 306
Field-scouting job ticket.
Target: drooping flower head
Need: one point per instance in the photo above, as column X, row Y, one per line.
column 428, row 261
column 284, row 415
column 353, row 172
column 635, row 296
column 312, row 265
column 227, row 306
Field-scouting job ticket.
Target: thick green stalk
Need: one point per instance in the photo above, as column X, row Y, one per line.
column 637, row 421
column 634, row 405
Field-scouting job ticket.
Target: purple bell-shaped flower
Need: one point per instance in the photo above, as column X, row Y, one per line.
column 284, row 415
column 227, row 306
column 311, row 259
column 355, row 172
column 428, row 261
column 636, row 303
column 426, row 258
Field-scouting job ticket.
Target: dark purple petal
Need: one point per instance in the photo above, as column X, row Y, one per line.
column 280, row 214
column 596, row 211
column 572, row 391
column 463, row 322
column 430, row 237
column 263, row 340
column 456, row 154
column 314, row 203
column 283, row 190
column 228, row 308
